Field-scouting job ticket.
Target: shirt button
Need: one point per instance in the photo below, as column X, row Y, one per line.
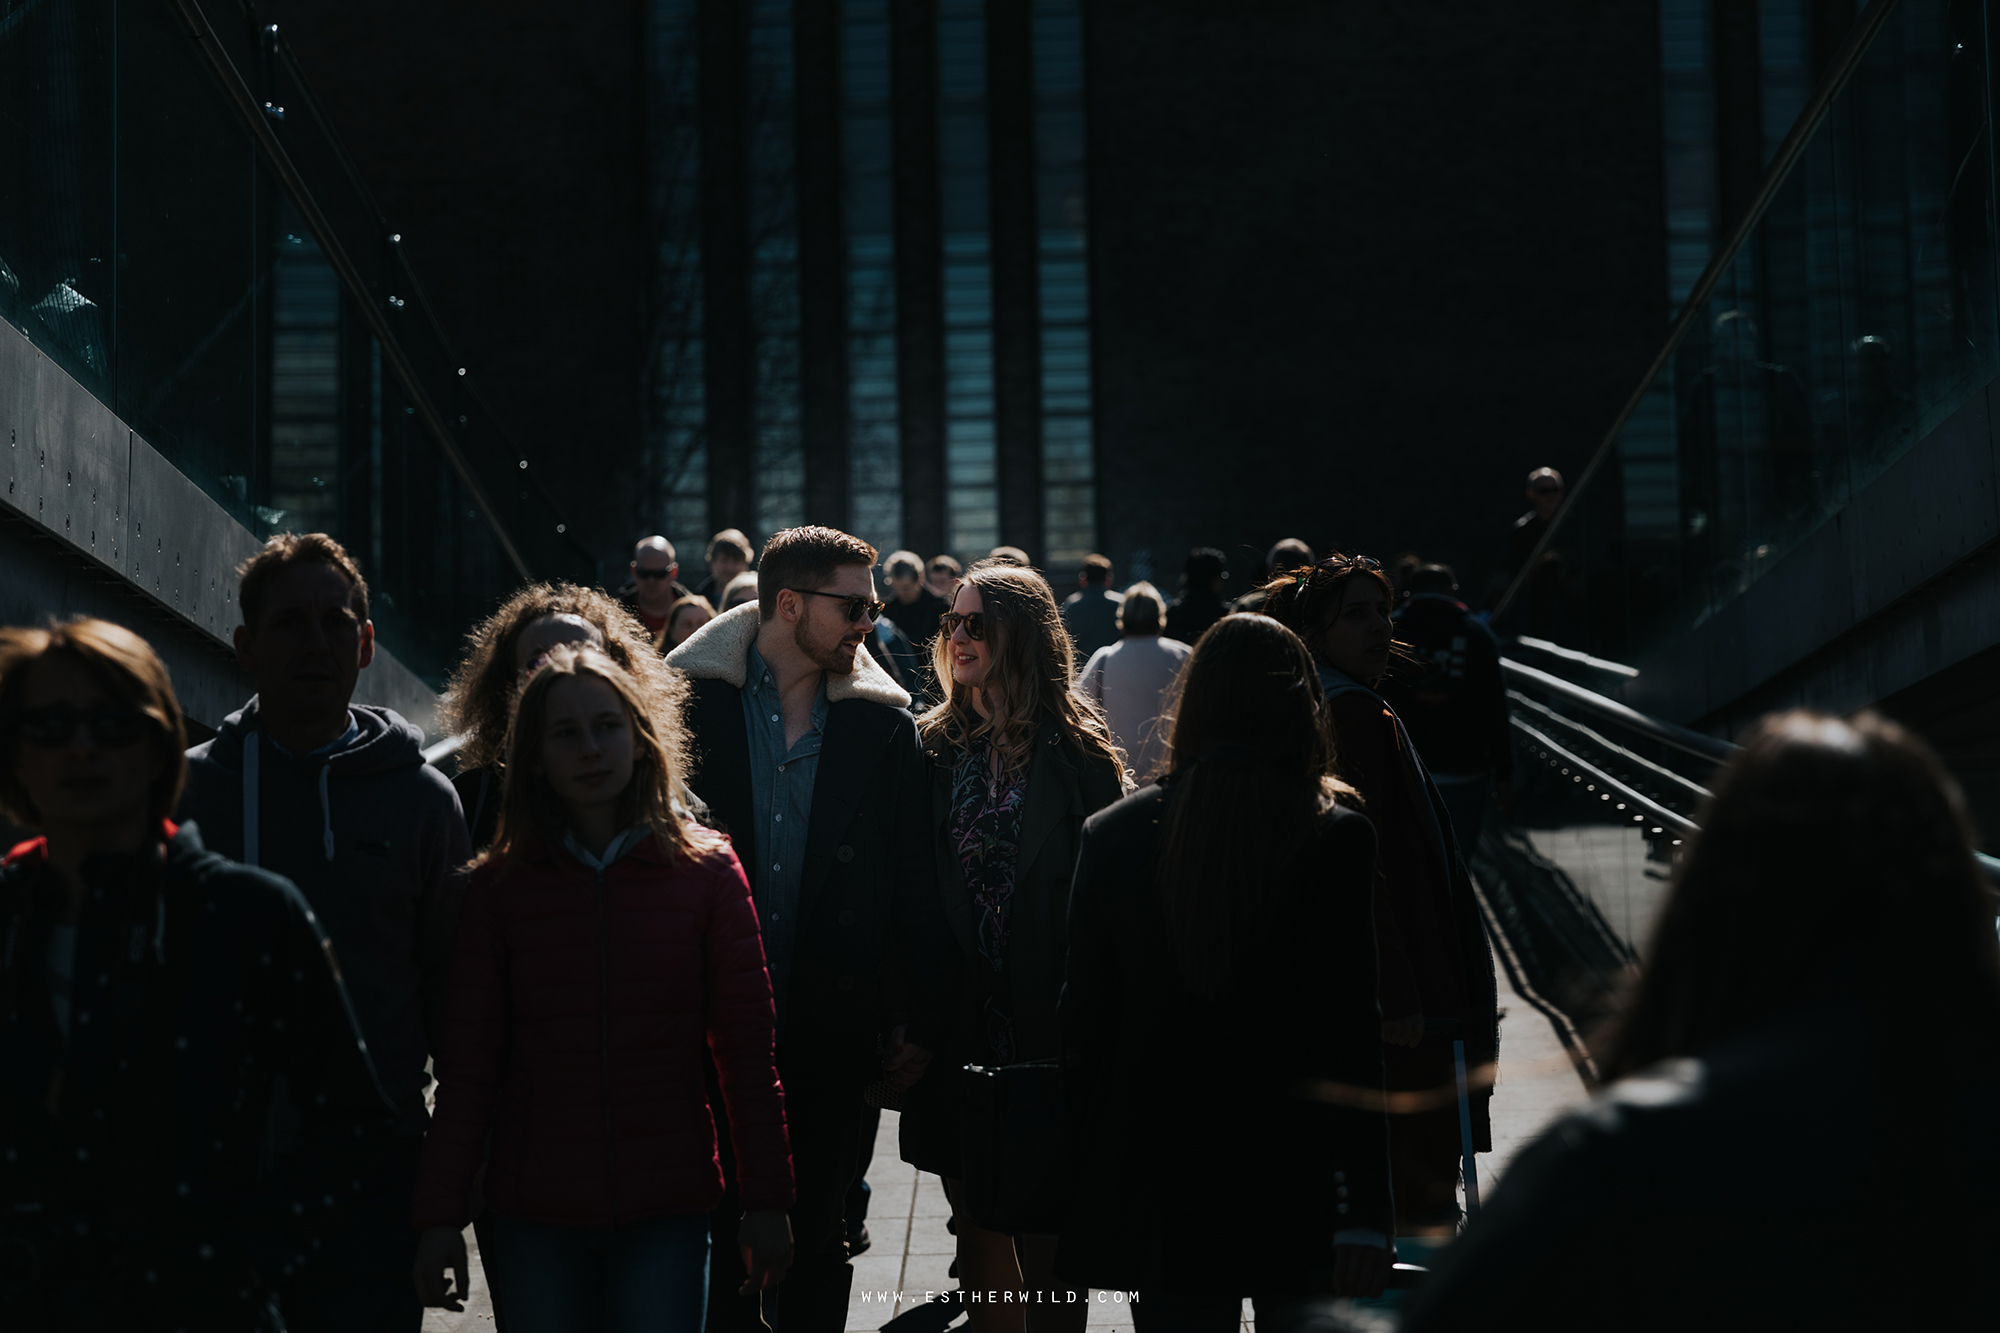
column 774, row 916
column 779, row 818
column 781, row 768
column 776, row 868
column 774, row 717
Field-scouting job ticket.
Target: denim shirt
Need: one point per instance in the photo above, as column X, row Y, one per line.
column 781, row 789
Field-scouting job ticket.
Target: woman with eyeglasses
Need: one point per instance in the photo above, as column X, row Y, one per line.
column 504, row 651
column 151, row 996
column 1221, row 1052
column 1436, row 964
column 1019, row 759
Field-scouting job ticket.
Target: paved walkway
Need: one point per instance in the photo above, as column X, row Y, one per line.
column 909, row 1260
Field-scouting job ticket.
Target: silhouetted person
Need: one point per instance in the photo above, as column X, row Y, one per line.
column 914, row 607
column 1200, row 603
column 1435, row 959
column 1290, row 553
column 153, row 999
column 1132, row 680
column 1091, row 612
column 655, row 583
column 336, row 797
column 1812, row 1053
column 1452, row 699
column 729, row 554
column 941, row 576
column 1221, row 1040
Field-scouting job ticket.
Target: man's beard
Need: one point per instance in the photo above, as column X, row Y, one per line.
column 828, row 657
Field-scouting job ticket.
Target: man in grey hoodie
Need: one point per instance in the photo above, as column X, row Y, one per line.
column 336, row 797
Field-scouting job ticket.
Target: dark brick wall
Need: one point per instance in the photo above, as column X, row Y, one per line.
column 1358, row 265
column 506, row 141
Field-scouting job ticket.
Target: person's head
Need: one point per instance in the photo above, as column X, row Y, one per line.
column 1009, row 555
column 91, row 735
column 943, row 574
column 903, row 571
column 740, row 591
column 654, row 569
column 1545, row 492
column 1834, row 860
column 684, row 617
column 821, row 582
column 1290, row 553
column 503, row 650
column 587, row 733
column 1205, row 567
column 1436, row 580
column 305, row 635
column 1340, row 607
column 1006, row 665
column 728, row 555
column 1143, row 611
column 1252, row 766
column 1096, row 571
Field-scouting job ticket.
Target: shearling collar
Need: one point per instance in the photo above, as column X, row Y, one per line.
column 720, row 650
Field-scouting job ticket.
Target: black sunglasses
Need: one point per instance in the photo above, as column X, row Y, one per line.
column 114, row 726
column 974, row 622
column 653, row 573
column 857, row 607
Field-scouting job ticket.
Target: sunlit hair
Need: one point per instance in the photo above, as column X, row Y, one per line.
column 660, row 640
column 125, row 667
column 1251, row 764
column 285, row 549
column 1306, row 599
column 480, row 697
column 1834, row 858
column 530, row 809
column 1032, row 678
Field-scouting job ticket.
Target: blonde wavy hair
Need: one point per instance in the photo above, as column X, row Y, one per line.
column 530, row 808
column 1032, row 678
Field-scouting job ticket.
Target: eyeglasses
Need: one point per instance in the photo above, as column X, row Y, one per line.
column 653, row 573
column 857, row 607
column 114, row 726
column 974, row 622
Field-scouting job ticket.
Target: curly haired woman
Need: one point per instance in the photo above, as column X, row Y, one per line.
column 504, row 650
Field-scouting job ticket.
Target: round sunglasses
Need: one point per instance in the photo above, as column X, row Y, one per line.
column 857, row 607
column 974, row 622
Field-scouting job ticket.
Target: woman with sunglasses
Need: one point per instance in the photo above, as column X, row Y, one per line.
column 1436, row 965
column 151, row 995
column 505, row 649
column 1019, row 758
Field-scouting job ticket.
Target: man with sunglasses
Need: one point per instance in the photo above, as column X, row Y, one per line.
column 655, row 583
column 807, row 755
column 336, row 797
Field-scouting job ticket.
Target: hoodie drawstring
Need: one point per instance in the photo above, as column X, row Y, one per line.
column 326, row 808
column 250, row 749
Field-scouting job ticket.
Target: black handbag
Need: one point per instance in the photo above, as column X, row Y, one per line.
column 1016, row 1147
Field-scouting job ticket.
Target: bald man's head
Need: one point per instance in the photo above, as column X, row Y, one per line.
column 654, row 569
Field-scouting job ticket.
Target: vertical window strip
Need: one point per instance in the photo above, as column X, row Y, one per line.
column 972, row 521
column 676, row 466
column 774, row 271
column 1068, row 451
column 874, row 454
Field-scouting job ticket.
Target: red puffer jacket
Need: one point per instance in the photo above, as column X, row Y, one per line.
column 580, row 1001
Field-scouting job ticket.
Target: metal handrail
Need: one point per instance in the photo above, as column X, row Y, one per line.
column 1845, row 62
column 1679, row 823
column 1687, row 788
column 238, row 94
column 1692, row 742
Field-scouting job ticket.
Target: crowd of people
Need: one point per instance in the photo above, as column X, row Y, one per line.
column 724, row 872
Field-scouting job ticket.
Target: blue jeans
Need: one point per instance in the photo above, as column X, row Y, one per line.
column 649, row 1275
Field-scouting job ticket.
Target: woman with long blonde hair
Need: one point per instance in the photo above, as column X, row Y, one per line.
column 606, row 943
column 1019, row 759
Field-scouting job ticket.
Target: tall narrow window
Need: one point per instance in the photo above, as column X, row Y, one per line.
column 676, row 463
column 1069, row 473
column 779, row 479
column 971, row 514
column 875, row 494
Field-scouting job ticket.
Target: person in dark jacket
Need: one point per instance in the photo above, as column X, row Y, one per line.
column 1435, row 962
column 806, row 755
column 1452, row 699
column 1229, row 908
column 912, row 606
column 1807, row 1073
column 1200, row 603
column 336, row 797
column 1287, row 553
column 607, row 943
column 1019, row 759
column 728, row 556
column 152, row 997
column 1091, row 612
column 502, row 652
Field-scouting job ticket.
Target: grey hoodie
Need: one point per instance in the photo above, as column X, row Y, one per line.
column 374, row 839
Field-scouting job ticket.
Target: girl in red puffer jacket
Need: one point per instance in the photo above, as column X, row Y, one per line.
column 605, row 940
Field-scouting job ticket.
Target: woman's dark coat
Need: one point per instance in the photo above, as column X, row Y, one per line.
column 1222, row 1142
column 1065, row 787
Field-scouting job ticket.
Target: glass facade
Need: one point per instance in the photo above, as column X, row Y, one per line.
column 677, row 446
column 1863, row 311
